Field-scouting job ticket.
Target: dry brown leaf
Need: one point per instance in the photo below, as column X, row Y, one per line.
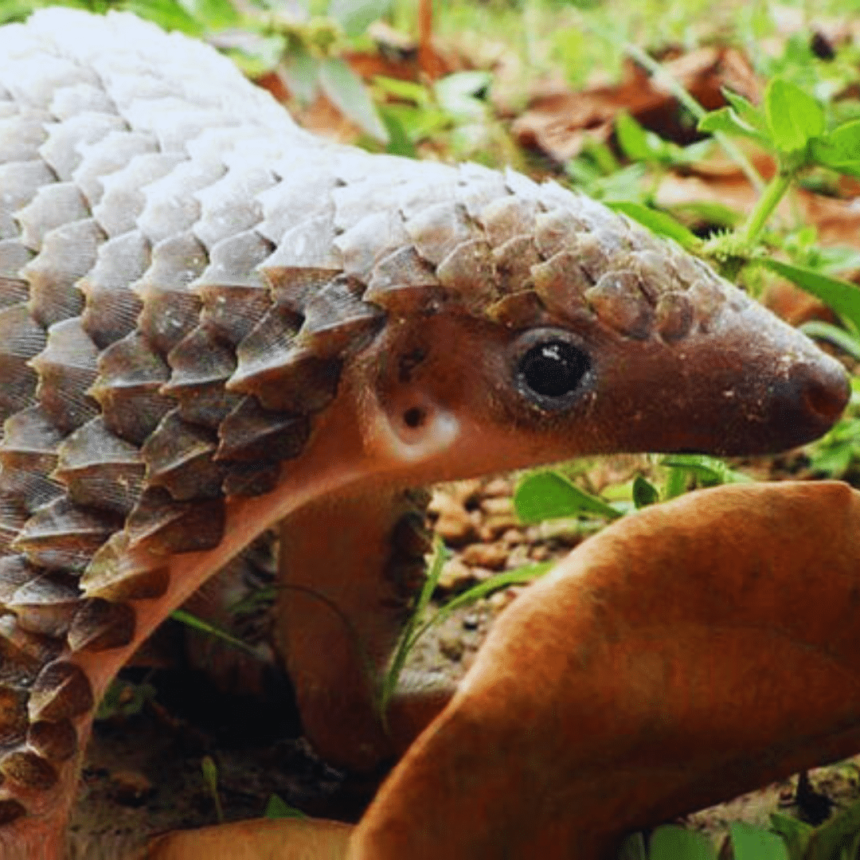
column 559, row 120
column 688, row 653
column 280, row 839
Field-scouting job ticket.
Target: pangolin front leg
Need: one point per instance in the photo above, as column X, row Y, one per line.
column 211, row 320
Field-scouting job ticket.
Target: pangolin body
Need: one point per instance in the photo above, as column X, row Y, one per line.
column 210, row 318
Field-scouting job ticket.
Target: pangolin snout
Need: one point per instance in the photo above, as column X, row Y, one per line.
column 806, row 403
column 824, row 389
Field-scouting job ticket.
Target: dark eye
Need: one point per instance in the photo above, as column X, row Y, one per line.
column 552, row 369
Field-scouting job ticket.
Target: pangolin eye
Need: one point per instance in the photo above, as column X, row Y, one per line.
column 550, row 367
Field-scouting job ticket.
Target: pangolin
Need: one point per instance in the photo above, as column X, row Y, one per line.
column 212, row 321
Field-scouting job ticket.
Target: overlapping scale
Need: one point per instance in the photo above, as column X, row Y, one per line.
column 170, row 308
column 112, row 307
column 179, row 458
column 67, row 369
column 253, row 434
column 45, row 605
column 52, row 207
column 21, row 338
column 67, row 253
column 168, row 526
column 67, row 143
column 127, row 388
column 28, row 457
column 100, row 469
column 63, row 536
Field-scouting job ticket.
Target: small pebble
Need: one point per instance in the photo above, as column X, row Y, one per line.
column 498, row 487
column 488, row 555
column 471, row 622
column 454, row 523
column 455, row 576
column 452, row 647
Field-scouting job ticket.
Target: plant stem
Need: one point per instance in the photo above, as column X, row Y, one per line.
column 657, row 71
column 766, row 204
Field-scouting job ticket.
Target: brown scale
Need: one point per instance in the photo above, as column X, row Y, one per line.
column 337, row 321
column 61, row 535
column 251, row 433
column 13, row 291
column 46, row 605
column 111, row 307
column 116, row 575
column 67, row 253
column 66, row 369
column 404, row 283
column 439, row 230
column 21, row 338
column 178, row 457
column 28, row 456
column 100, row 625
column 170, row 308
column 127, row 387
column 361, row 248
column 100, row 469
column 168, row 526
column 200, row 365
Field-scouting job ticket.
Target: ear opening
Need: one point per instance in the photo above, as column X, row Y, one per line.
column 411, row 429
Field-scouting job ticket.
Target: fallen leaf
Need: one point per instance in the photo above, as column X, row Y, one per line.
column 695, row 650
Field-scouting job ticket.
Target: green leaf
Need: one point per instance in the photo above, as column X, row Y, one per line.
column 355, row 16
column 746, row 111
column 644, row 493
column 793, row 116
column 755, row 843
column 462, row 94
column 408, row 91
column 210, row 779
column 726, row 121
column 845, row 340
column 124, row 699
column 278, row 808
column 840, row 296
column 520, row 576
column 827, row 840
column 795, row 833
column 214, row 14
column 840, row 149
column 301, row 72
column 658, row 222
column 185, row 617
column 549, row 495
column 399, row 141
column 347, row 92
column 674, row 843
column 408, row 636
column 168, row 14
column 632, row 138
column 710, row 471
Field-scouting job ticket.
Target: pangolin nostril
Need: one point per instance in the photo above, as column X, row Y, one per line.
column 826, row 390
